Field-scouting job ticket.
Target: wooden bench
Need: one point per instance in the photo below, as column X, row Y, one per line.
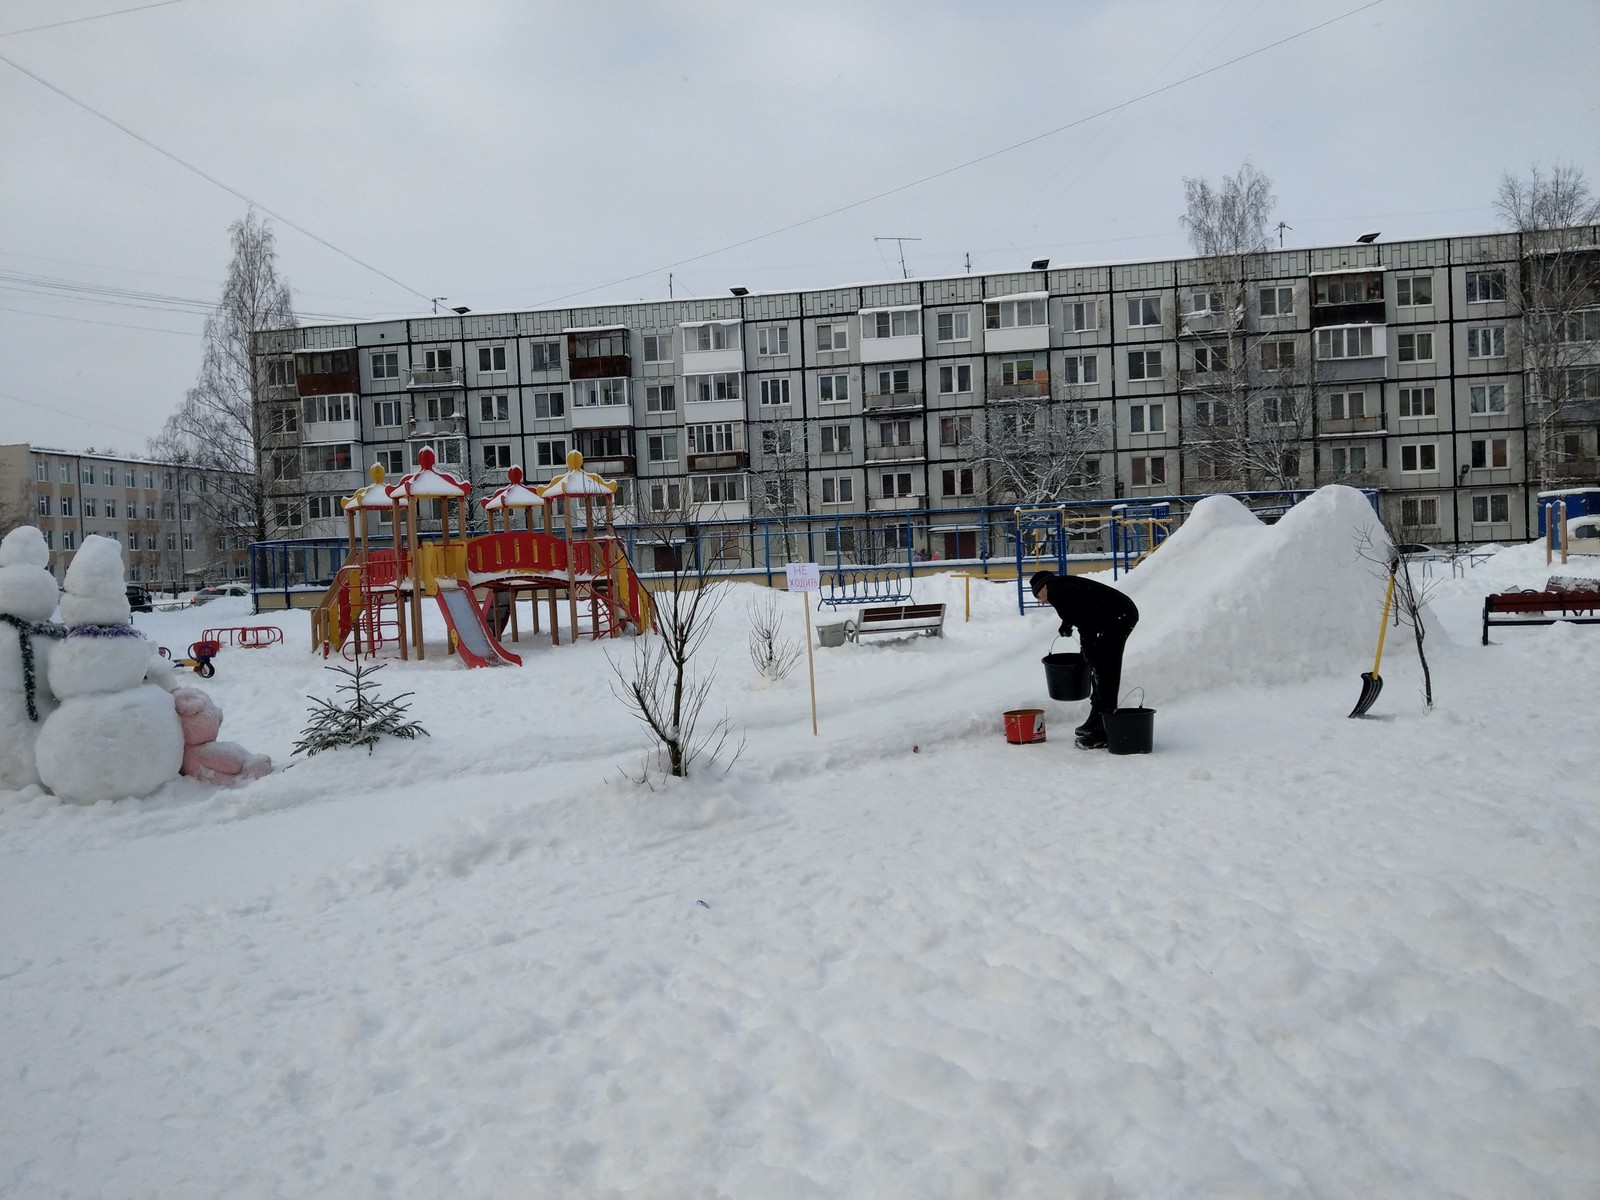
column 898, row 618
column 1555, row 603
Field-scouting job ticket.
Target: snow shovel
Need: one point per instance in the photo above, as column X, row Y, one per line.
column 1371, row 684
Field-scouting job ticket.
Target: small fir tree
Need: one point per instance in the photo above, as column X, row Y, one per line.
column 360, row 721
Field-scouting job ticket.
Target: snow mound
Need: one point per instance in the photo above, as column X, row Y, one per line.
column 1229, row 600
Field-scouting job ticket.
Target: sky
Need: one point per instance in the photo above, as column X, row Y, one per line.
column 501, row 154
column 1285, row 953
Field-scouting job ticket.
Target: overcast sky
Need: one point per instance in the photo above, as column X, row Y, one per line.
column 525, row 153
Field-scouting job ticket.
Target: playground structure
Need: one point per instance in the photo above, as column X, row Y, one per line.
column 376, row 598
column 1044, row 533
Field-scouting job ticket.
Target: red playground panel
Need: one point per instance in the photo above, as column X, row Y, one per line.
column 246, row 637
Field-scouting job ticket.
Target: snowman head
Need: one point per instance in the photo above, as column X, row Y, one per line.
column 95, row 593
column 27, row 589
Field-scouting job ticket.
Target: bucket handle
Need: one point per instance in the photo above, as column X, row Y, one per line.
column 1130, row 692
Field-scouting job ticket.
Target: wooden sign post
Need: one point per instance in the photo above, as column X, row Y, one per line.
column 805, row 579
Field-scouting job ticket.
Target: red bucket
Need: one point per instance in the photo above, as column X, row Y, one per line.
column 1024, row 726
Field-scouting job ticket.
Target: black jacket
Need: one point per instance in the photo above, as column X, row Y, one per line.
column 1091, row 607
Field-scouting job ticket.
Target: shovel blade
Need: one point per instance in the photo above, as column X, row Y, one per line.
column 1371, row 685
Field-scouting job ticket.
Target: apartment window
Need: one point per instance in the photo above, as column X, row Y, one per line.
column 69, row 539
column 777, row 441
column 1144, row 364
column 953, row 327
column 1488, row 342
column 1419, row 512
column 285, row 466
column 957, row 378
column 1083, row 416
column 834, row 439
column 133, row 541
column 1204, row 303
column 188, row 541
column 319, row 508
column 440, row 359
column 714, row 336
column 894, row 433
column 169, row 510
column 661, row 447
column 41, row 471
column 149, row 541
column 332, row 457
column 439, row 407
column 838, row 489
column 149, row 511
column 717, row 489
column 1078, row 315
column 1147, row 418
column 955, row 431
column 491, row 359
column 550, row 452
column 1016, row 370
column 1414, row 347
column 893, row 484
column 1080, row 368
column 1280, row 410
column 549, row 405
column 772, row 339
column 1489, row 453
column 127, row 479
column 833, row 389
column 545, row 356
column 956, row 481
column 393, row 462
column 283, row 419
column 1418, row 402
column 387, row 413
column 385, row 364
column 706, row 388
column 1277, row 356
column 1144, row 310
column 149, row 480
column 1212, row 412
column 1419, row 456
column 495, row 406
column 774, row 391
column 1210, row 358
column 188, row 511
column 1148, row 470
column 666, row 496
column 657, row 347
column 44, row 505
column 1493, row 509
column 1345, row 459
column 1487, row 399
column 278, row 372
column 1483, row 287
column 899, row 322
column 778, row 493
column 111, row 510
column 1580, row 383
column 721, row 437
column 1347, row 406
column 1277, row 301
column 1411, row 291
column 286, row 515
column 64, row 473
column 833, row 335
column 1012, row 314
column 1577, row 327
column 1345, row 341
column 1570, row 447
column 496, row 455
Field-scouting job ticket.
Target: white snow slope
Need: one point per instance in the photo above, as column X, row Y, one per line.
column 1287, row 954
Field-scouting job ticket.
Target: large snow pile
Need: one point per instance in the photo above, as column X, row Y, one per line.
column 1286, row 954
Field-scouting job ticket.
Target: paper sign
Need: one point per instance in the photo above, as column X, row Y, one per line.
column 804, row 577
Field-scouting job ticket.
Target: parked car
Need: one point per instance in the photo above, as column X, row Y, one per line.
column 139, row 599
column 207, row 595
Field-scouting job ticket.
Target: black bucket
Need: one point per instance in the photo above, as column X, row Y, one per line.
column 1131, row 730
column 1066, row 676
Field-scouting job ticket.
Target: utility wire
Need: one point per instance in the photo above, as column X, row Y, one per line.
column 211, row 179
column 93, row 17
column 982, row 158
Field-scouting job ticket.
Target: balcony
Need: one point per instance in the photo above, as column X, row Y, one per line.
column 1334, row 427
column 615, row 415
column 895, row 503
column 605, row 366
column 721, row 461
column 1369, row 478
column 911, row 452
column 423, row 427
column 899, row 401
column 314, row 432
column 1028, row 389
column 610, row 466
column 1196, row 324
column 425, row 377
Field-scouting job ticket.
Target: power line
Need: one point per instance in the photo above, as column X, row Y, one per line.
column 28, row 312
column 211, row 179
column 94, row 17
column 77, row 416
column 982, row 158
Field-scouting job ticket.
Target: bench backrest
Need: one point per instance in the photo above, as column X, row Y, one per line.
column 902, row 612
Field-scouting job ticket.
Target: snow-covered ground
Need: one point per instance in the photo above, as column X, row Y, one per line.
column 1287, row 954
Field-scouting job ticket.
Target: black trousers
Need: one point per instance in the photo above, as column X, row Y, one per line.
column 1102, row 650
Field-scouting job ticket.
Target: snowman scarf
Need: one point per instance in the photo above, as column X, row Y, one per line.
column 26, row 632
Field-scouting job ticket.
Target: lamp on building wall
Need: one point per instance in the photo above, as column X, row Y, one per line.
column 740, row 291
column 1368, row 238
column 1041, row 264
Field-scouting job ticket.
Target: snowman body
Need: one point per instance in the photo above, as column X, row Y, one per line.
column 114, row 734
column 28, row 596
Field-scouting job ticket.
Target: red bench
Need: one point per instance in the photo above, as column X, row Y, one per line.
column 1540, row 608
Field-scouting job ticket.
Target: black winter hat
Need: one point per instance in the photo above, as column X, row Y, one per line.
column 1040, row 577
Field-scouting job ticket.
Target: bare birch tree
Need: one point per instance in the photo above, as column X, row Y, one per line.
column 220, row 425
column 778, row 478
column 1038, row 450
column 1555, row 291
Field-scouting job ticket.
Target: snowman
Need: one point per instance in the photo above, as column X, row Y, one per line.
column 115, row 734
column 28, row 595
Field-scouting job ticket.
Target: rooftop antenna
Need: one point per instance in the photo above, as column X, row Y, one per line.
column 1281, row 228
column 904, row 274
column 436, row 300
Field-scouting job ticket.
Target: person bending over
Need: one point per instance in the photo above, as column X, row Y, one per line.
column 1104, row 618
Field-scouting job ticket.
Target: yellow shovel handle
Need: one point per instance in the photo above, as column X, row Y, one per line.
column 1383, row 629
